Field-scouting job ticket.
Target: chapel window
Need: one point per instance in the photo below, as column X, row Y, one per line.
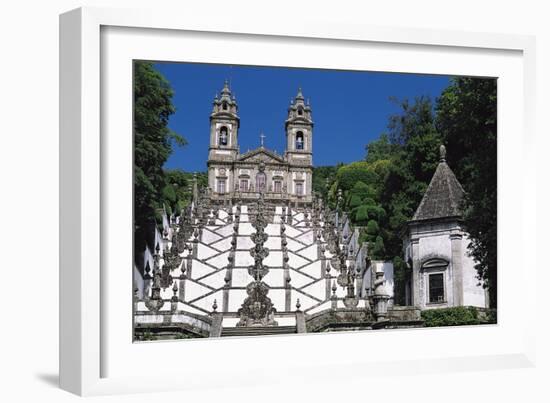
column 223, row 136
column 436, row 288
column 299, row 141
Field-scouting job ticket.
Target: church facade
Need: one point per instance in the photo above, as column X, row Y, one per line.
column 236, row 176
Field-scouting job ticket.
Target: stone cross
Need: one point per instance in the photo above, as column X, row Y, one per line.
column 262, row 137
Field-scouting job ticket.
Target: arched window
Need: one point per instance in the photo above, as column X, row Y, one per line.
column 223, row 136
column 299, row 141
column 260, row 181
column 300, row 112
column 224, row 106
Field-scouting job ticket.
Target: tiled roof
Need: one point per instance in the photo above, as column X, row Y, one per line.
column 443, row 196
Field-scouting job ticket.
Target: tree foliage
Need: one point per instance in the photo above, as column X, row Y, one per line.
column 152, row 146
column 467, row 121
column 322, row 176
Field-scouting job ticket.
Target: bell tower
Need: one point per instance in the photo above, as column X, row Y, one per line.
column 299, row 131
column 224, row 126
column 224, row 146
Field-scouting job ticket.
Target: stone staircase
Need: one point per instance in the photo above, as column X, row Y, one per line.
column 257, row 331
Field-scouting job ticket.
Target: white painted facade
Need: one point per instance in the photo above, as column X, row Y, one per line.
column 441, row 248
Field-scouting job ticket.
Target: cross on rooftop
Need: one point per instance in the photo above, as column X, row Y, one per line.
column 262, row 137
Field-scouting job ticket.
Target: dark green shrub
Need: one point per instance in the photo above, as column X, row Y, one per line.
column 377, row 249
column 455, row 316
column 354, row 201
column 372, row 228
column 362, row 215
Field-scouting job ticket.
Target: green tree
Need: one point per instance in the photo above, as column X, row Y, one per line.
column 152, row 146
column 359, row 171
column 323, row 175
column 380, row 149
column 408, row 158
column 467, row 121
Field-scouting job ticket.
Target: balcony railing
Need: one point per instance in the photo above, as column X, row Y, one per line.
column 238, row 194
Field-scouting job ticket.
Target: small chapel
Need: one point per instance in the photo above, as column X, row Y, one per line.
column 258, row 253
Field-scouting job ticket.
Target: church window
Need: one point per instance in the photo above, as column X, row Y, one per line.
column 436, row 288
column 221, row 186
column 224, row 106
column 300, row 112
column 299, row 141
column 260, row 182
column 299, row 188
column 244, row 185
column 223, row 136
column 277, row 186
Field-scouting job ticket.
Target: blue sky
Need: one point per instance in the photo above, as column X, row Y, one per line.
column 350, row 109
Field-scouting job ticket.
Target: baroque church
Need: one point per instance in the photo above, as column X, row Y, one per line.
column 243, row 176
column 257, row 253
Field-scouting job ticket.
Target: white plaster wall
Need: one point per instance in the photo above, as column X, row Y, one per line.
column 236, row 298
column 313, row 269
column 296, row 261
column 243, row 259
column 277, row 296
column 298, row 280
column 438, row 245
column 244, row 242
column 203, row 251
column 309, row 252
column 200, row 269
column 316, row 289
column 240, row 278
column 274, row 259
column 215, row 280
column 275, row 278
column 207, row 302
column 306, row 238
column 219, row 261
column 305, row 301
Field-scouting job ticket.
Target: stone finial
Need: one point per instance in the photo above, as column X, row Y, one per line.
column 175, row 287
column 442, row 153
column 225, row 89
column 214, row 306
column 298, row 305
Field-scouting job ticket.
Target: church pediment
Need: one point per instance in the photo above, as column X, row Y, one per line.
column 261, row 155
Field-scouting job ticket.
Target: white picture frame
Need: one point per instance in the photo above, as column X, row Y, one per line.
column 96, row 357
